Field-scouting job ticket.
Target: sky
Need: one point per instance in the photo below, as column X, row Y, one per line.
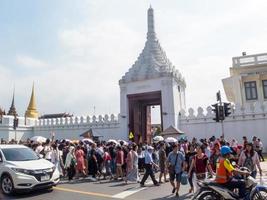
column 75, row 51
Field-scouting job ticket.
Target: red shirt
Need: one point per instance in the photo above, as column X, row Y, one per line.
column 120, row 157
column 200, row 164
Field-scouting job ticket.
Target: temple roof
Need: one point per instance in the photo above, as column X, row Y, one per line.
column 56, row 115
column 31, row 111
column 12, row 109
column 152, row 62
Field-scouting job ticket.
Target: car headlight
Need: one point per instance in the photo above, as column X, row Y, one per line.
column 24, row 171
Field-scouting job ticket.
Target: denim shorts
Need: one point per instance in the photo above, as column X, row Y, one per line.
column 176, row 176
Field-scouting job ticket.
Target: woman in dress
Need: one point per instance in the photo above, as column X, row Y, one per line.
column 132, row 165
column 80, row 167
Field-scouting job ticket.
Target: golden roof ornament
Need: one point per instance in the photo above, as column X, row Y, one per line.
column 32, row 112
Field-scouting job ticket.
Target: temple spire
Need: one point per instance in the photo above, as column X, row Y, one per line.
column 32, row 112
column 12, row 109
column 151, row 35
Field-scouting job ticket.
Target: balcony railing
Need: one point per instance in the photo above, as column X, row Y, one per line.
column 250, row 60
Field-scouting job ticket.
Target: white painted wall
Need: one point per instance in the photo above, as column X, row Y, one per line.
column 243, row 122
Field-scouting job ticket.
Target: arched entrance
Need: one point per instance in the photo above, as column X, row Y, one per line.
column 140, row 114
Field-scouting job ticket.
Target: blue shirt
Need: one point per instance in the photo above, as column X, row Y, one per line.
column 148, row 157
column 179, row 162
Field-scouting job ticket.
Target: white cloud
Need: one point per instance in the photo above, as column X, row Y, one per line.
column 30, row 62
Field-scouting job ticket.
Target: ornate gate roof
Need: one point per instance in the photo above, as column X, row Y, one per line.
column 152, row 62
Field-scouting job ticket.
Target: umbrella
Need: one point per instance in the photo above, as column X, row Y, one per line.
column 170, row 140
column 113, row 141
column 38, row 139
column 158, row 138
column 124, row 142
column 87, row 140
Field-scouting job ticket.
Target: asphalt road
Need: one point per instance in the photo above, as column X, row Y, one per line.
column 84, row 189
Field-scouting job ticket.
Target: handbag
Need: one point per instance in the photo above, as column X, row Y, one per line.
column 184, row 178
column 171, row 168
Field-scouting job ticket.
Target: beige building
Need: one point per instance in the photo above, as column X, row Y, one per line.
column 248, row 80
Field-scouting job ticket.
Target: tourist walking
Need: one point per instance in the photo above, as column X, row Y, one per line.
column 200, row 164
column 260, row 148
column 249, row 158
column 119, row 162
column 107, row 164
column 215, row 156
column 80, row 168
column 56, row 158
column 162, row 162
column 92, row 161
column 176, row 165
column 70, row 163
column 132, row 165
column 189, row 157
column 149, row 167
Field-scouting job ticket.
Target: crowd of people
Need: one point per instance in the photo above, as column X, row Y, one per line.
column 124, row 161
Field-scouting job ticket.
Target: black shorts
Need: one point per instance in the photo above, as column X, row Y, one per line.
column 175, row 176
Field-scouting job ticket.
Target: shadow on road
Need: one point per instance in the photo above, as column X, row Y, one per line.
column 25, row 195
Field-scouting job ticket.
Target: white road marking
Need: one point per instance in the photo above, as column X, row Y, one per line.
column 123, row 195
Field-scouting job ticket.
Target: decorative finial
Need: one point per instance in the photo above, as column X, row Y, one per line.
column 151, row 35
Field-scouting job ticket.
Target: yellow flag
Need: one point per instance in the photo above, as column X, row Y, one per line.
column 131, row 136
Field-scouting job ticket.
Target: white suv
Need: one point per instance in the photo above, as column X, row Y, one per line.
column 21, row 169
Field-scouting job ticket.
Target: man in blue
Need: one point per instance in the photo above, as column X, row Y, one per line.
column 176, row 165
column 148, row 166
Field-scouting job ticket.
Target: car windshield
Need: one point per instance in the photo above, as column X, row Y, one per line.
column 19, row 154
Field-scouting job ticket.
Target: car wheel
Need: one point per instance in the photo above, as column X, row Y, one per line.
column 7, row 185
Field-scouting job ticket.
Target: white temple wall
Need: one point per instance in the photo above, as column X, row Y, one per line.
column 23, row 131
column 243, row 122
column 71, row 128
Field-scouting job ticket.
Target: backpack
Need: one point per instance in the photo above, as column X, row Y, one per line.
column 248, row 163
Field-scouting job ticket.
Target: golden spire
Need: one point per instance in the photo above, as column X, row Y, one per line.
column 32, row 112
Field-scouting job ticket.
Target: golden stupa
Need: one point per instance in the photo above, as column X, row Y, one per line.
column 32, row 112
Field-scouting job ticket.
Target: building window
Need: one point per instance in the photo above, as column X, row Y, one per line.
column 264, row 86
column 251, row 90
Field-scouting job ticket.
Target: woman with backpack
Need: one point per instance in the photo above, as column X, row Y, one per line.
column 249, row 158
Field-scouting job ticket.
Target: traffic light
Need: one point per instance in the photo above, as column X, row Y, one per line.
column 221, row 113
column 15, row 123
column 216, row 111
column 227, row 109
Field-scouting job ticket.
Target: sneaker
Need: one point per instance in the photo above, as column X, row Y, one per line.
column 142, row 185
column 177, row 194
column 173, row 190
column 157, row 184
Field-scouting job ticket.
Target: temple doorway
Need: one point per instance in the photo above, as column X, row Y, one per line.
column 140, row 106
